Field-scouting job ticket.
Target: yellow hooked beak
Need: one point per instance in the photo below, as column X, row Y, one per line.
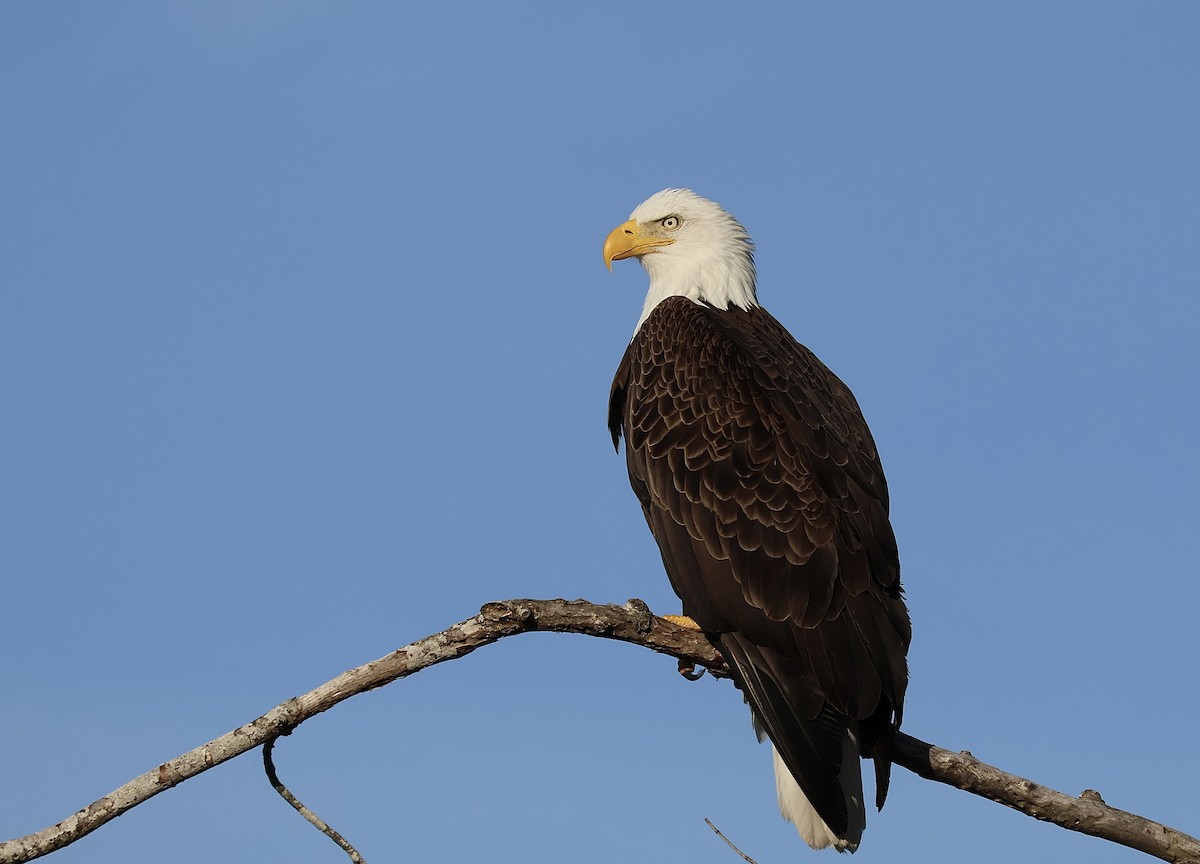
column 631, row 240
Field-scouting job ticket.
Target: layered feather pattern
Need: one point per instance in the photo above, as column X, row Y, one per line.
column 760, row 480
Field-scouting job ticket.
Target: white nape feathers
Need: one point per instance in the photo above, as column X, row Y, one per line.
column 761, row 484
column 711, row 258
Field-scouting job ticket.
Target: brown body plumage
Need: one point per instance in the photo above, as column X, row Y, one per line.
column 761, row 483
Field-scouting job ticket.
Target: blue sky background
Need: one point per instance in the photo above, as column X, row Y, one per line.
column 305, row 344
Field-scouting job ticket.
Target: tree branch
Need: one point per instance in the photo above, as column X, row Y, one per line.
column 299, row 806
column 633, row 623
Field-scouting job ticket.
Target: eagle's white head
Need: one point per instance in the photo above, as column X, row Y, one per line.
column 690, row 247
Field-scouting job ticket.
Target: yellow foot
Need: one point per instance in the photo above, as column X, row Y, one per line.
column 682, row 621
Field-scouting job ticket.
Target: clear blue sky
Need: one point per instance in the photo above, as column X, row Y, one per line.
column 305, row 344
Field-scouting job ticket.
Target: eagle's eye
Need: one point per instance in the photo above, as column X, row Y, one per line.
column 671, row 223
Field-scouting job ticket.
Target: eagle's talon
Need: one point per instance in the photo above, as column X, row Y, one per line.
column 688, row 670
column 682, row 621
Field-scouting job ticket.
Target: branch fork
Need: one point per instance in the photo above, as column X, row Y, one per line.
column 632, row 622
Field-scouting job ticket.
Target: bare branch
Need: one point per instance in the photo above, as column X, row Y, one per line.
column 729, row 842
column 317, row 822
column 1087, row 814
column 633, row 623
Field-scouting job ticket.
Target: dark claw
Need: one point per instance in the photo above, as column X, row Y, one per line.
column 688, row 670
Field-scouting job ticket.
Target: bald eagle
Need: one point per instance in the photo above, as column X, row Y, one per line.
column 761, row 483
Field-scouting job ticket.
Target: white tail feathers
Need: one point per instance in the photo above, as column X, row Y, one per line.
column 795, row 807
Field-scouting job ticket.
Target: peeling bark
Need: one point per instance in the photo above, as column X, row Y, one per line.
column 632, row 623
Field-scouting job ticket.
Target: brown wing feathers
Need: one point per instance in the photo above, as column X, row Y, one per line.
column 761, row 483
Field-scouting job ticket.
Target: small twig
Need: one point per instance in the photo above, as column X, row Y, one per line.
column 630, row 623
column 729, row 842
column 319, row 823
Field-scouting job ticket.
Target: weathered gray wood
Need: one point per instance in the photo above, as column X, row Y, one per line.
column 633, row 623
column 1087, row 814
